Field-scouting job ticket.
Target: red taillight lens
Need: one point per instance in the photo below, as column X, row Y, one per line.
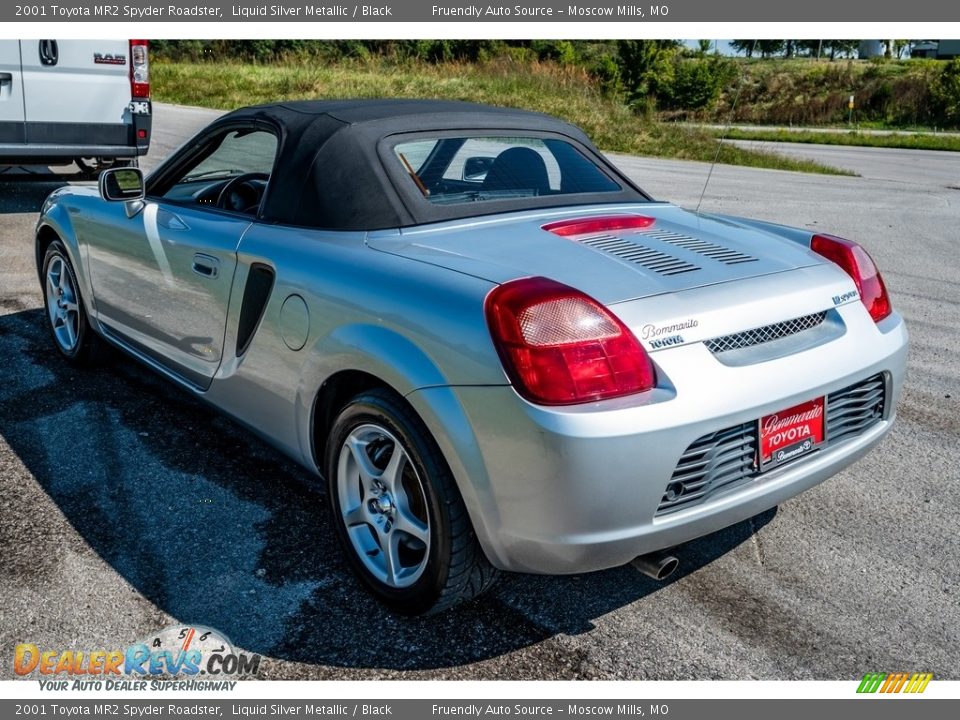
column 602, row 223
column 855, row 261
column 139, row 69
column 561, row 347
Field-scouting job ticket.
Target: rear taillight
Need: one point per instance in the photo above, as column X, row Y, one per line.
column 855, row 261
column 561, row 347
column 139, row 69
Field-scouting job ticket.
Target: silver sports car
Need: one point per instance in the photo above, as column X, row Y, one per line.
column 498, row 351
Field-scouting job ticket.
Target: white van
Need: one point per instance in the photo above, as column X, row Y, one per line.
column 83, row 101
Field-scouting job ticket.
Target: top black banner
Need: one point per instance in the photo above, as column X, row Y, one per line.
column 539, row 11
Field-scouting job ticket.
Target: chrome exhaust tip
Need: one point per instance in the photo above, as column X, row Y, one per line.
column 656, row 565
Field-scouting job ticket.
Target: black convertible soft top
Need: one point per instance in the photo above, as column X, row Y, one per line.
column 335, row 169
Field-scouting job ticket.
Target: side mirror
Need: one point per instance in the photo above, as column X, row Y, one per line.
column 121, row 184
column 475, row 169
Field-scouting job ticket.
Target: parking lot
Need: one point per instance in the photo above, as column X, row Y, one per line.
column 126, row 505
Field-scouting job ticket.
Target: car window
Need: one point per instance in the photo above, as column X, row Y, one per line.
column 488, row 149
column 475, row 169
column 239, row 152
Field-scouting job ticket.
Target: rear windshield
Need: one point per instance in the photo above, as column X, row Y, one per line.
column 452, row 170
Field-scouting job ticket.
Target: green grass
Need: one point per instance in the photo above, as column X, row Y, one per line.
column 918, row 141
column 567, row 92
column 805, row 92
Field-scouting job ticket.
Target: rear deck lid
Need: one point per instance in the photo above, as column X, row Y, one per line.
column 671, row 251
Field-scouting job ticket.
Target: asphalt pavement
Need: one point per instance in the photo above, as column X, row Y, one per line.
column 126, row 505
column 921, row 167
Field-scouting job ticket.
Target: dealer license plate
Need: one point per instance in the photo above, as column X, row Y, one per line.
column 791, row 433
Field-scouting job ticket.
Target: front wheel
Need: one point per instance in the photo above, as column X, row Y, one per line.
column 397, row 510
column 66, row 316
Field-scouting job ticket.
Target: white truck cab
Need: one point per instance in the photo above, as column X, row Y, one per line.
column 83, row 101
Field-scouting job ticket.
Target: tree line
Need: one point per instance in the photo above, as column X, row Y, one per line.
column 657, row 78
column 831, row 49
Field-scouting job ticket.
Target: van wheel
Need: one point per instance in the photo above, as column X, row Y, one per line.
column 397, row 511
column 91, row 167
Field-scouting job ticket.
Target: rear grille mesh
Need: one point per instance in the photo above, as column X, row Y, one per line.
column 711, row 250
column 724, row 459
column 760, row 335
column 641, row 255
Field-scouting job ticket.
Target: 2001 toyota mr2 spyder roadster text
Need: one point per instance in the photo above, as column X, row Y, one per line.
column 496, row 349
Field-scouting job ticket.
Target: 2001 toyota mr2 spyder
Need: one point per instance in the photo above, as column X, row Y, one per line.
column 497, row 350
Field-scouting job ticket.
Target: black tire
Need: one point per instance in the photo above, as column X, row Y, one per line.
column 88, row 348
column 453, row 567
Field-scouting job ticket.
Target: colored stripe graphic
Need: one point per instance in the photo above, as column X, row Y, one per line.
column 918, row 683
column 894, row 682
column 871, row 682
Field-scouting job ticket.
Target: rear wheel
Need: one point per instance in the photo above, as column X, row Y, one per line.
column 397, row 511
column 66, row 316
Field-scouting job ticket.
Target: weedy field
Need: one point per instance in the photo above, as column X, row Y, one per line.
column 566, row 91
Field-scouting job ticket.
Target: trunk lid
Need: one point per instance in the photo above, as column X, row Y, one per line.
column 679, row 251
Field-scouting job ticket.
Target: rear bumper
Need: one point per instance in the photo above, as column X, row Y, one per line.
column 53, row 154
column 566, row 490
column 60, row 142
column 600, row 547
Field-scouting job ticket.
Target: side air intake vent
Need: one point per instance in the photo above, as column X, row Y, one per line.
column 255, row 296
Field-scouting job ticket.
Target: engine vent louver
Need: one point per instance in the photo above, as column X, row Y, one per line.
column 701, row 247
column 640, row 247
column 633, row 252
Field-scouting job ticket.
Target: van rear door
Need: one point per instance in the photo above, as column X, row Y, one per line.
column 77, row 92
column 11, row 93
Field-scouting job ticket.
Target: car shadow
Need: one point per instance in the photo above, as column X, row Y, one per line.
column 24, row 192
column 215, row 528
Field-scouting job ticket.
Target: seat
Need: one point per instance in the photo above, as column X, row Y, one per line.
column 518, row 168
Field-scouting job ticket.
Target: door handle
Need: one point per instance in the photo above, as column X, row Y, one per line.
column 6, row 85
column 208, row 267
column 49, row 53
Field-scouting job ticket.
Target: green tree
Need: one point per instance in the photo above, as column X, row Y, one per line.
column 945, row 92
column 813, row 48
column 841, row 47
column 697, row 83
column 769, row 47
column 646, row 66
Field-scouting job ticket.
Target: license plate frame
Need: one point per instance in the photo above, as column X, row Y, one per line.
column 791, row 433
